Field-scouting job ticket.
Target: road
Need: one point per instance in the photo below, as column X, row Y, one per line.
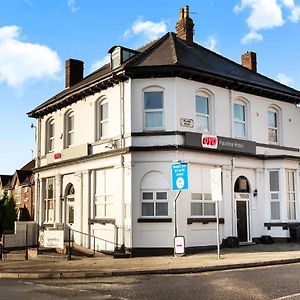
column 277, row 282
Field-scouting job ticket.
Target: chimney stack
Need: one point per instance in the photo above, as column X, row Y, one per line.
column 249, row 61
column 185, row 26
column 74, row 72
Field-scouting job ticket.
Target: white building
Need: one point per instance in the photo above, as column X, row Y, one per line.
column 106, row 143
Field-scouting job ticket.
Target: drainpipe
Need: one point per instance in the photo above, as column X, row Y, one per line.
column 231, row 114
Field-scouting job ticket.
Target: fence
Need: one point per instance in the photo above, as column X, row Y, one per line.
column 25, row 235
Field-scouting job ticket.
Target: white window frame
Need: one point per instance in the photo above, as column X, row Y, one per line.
column 274, row 200
column 69, row 131
column 203, row 115
column 238, row 121
column 49, row 201
column 106, row 200
column 154, row 201
column 50, row 140
column 202, row 202
column 291, row 194
column 271, row 128
column 154, row 110
column 101, row 121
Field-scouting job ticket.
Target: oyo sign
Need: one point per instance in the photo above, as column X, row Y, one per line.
column 57, row 155
column 209, row 141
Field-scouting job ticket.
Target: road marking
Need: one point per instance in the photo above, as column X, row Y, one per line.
column 288, row 297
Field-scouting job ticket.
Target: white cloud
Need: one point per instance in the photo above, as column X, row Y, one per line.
column 73, row 6
column 22, row 62
column 211, row 43
column 149, row 29
column 266, row 14
column 285, row 79
column 99, row 63
column 251, row 37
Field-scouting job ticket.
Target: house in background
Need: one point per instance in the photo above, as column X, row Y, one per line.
column 21, row 187
column 5, row 184
column 106, row 143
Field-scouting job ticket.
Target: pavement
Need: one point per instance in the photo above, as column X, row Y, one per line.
column 104, row 265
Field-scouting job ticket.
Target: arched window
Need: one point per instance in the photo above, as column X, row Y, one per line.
column 154, row 195
column 204, row 107
column 102, row 119
column 69, row 129
column 50, row 135
column 70, row 199
column 153, row 108
column 240, row 119
column 273, row 125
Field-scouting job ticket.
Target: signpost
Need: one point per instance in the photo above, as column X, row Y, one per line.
column 179, row 182
column 216, row 193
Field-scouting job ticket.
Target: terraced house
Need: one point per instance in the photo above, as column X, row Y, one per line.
column 105, row 145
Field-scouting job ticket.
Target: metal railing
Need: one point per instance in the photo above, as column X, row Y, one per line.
column 92, row 240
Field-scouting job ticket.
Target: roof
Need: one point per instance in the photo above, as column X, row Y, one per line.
column 29, row 166
column 170, row 56
column 5, row 180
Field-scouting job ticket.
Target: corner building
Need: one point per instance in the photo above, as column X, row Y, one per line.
column 105, row 145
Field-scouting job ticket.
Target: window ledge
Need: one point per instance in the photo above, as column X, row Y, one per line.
column 204, row 220
column 102, row 221
column 154, row 220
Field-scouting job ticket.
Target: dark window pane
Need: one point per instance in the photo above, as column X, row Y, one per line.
column 147, row 196
column 161, row 209
column 147, row 209
column 202, row 105
column 161, row 195
column 153, row 100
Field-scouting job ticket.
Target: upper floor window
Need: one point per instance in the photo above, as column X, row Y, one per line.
column 239, row 111
column 50, row 136
column 69, row 130
column 102, row 111
column 153, row 110
column 273, row 126
column 202, row 113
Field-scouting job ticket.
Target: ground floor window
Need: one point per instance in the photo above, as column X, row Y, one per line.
column 104, row 197
column 291, row 194
column 154, row 203
column 49, row 200
column 274, row 194
column 202, row 205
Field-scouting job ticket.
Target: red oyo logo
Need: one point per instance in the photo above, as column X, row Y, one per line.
column 57, row 155
column 209, row 141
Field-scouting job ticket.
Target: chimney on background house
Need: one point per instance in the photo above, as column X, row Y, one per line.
column 74, row 71
column 185, row 26
column 249, row 60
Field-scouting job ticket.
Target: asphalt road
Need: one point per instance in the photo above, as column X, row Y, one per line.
column 277, row 282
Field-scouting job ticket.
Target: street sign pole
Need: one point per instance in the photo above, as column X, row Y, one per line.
column 175, row 210
column 218, row 229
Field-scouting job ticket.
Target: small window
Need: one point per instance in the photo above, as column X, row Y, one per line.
column 239, row 120
column 154, row 203
column 202, row 113
column 153, row 110
column 202, row 205
column 273, row 126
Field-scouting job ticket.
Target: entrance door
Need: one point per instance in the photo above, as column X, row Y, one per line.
column 242, row 216
column 70, row 197
column 242, row 196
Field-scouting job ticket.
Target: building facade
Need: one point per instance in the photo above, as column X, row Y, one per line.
column 106, row 143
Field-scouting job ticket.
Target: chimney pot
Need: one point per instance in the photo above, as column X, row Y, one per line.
column 74, row 72
column 249, row 61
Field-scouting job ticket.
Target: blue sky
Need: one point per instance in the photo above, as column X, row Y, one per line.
column 38, row 36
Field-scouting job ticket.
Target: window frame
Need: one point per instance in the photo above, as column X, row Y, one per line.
column 202, row 202
column 291, row 201
column 49, row 201
column 274, row 200
column 275, row 111
column 154, row 201
column 68, row 131
column 50, row 140
column 203, row 115
column 154, row 110
column 244, row 122
column 99, row 119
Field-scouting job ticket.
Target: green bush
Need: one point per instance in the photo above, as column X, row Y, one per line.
column 8, row 214
column 24, row 214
